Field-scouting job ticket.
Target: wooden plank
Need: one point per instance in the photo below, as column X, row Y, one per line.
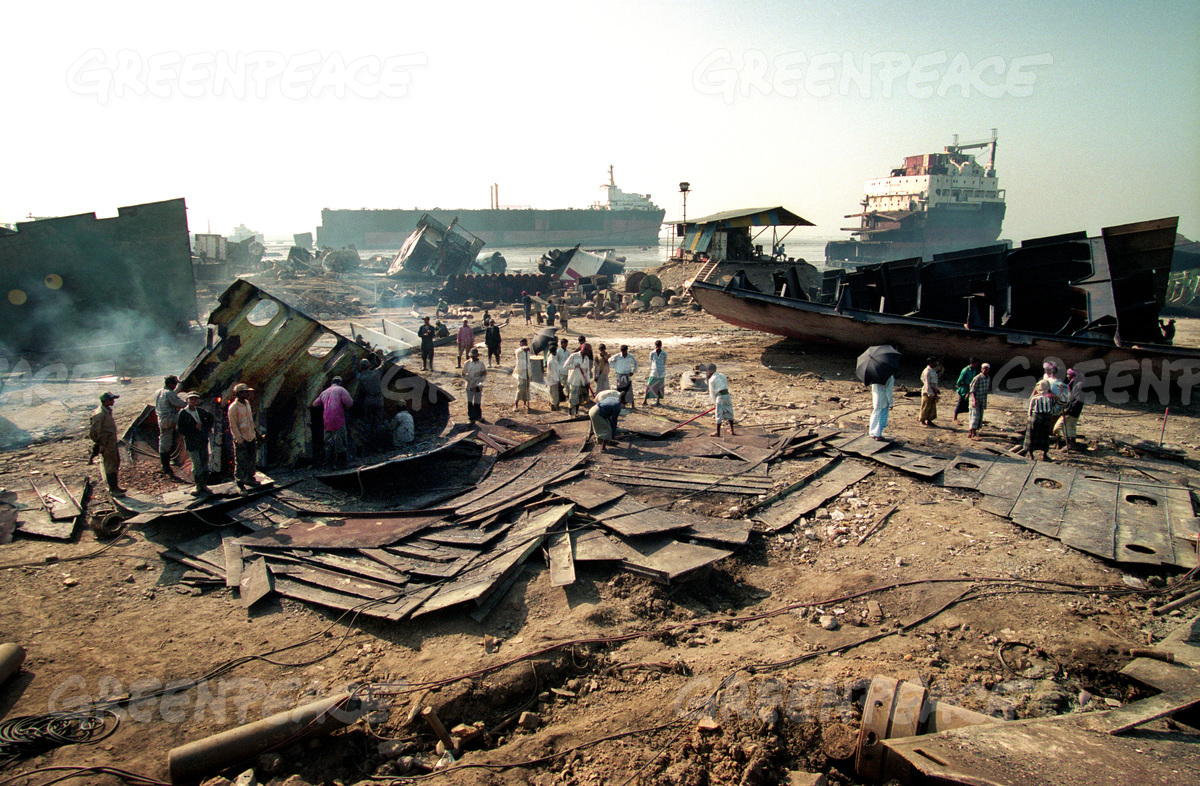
column 588, row 493
column 593, row 546
column 562, row 562
column 1043, row 499
column 1163, row 705
column 1089, row 519
column 816, row 494
column 233, row 561
column 257, row 582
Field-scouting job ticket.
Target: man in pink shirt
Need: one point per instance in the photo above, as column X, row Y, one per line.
column 465, row 339
column 334, row 401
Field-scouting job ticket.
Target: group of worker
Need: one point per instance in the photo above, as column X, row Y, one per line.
column 1053, row 407
column 576, row 375
column 180, row 417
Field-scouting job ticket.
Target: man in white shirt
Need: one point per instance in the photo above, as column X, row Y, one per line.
column 624, row 365
column 554, row 377
column 402, row 427
column 473, row 373
column 521, row 375
column 718, row 393
column 578, row 369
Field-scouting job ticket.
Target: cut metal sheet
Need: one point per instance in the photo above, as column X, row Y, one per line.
column 35, row 514
column 588, row 493
column 629, row 518
column 352, row 532
column 428, row 470
column 257, row 582
column 665, row 560
column 820, row 490
column 522, row 540
column 562, row 561
column 1043, row 499
column 594, row 546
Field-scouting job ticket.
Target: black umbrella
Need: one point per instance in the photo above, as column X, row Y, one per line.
column 877, row 364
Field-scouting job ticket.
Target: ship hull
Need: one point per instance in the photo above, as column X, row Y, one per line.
column 936, row 231
column 497, row 228
column 1015, row 357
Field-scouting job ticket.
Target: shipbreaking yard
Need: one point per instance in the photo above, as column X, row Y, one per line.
column 504, row 603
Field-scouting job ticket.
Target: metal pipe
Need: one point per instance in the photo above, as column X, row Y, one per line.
column 11, row 658
column 1177, row 604
column 194, row 761
column 435, row 723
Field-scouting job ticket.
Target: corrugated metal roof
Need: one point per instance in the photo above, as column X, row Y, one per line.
column 752, row 217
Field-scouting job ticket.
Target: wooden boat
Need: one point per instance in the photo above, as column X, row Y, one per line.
column 1089, row 303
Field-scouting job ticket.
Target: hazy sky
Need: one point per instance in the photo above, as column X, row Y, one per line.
column 264, row 113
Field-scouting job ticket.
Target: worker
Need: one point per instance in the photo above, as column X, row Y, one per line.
column 370, row 389
column 624, row 365
column 402, row 427
column 473, row 373
column 103, row 433
column 245, row 436
column 551, row 312
column 334, row 401
column 167, row 404
column 195, row 426
column 426, row 333
column 718, row 393
column 492, row 339
column 465, row 339
column 657, row 383
column 520, row 373
column 603, row 416
column 578, row 371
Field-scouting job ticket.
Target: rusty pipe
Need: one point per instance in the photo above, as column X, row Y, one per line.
column 194, row 761
column 11, row 658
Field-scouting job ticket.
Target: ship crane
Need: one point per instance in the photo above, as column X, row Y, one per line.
column 955, row 148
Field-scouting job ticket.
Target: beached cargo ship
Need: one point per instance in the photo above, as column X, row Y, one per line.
column 620, row 218
column 935, row 203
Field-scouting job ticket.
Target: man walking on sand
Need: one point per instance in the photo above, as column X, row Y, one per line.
column 718, row 393
column 625, row 365
column 520, row 373
column 929, row 393
column 473, row 374
column 980, row 387
column 656, row 384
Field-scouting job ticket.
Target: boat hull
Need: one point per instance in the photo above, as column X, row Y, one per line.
column 937, row 231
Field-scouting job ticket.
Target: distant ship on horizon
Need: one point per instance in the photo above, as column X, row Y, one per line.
column 935, row 203
column 619, row 219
